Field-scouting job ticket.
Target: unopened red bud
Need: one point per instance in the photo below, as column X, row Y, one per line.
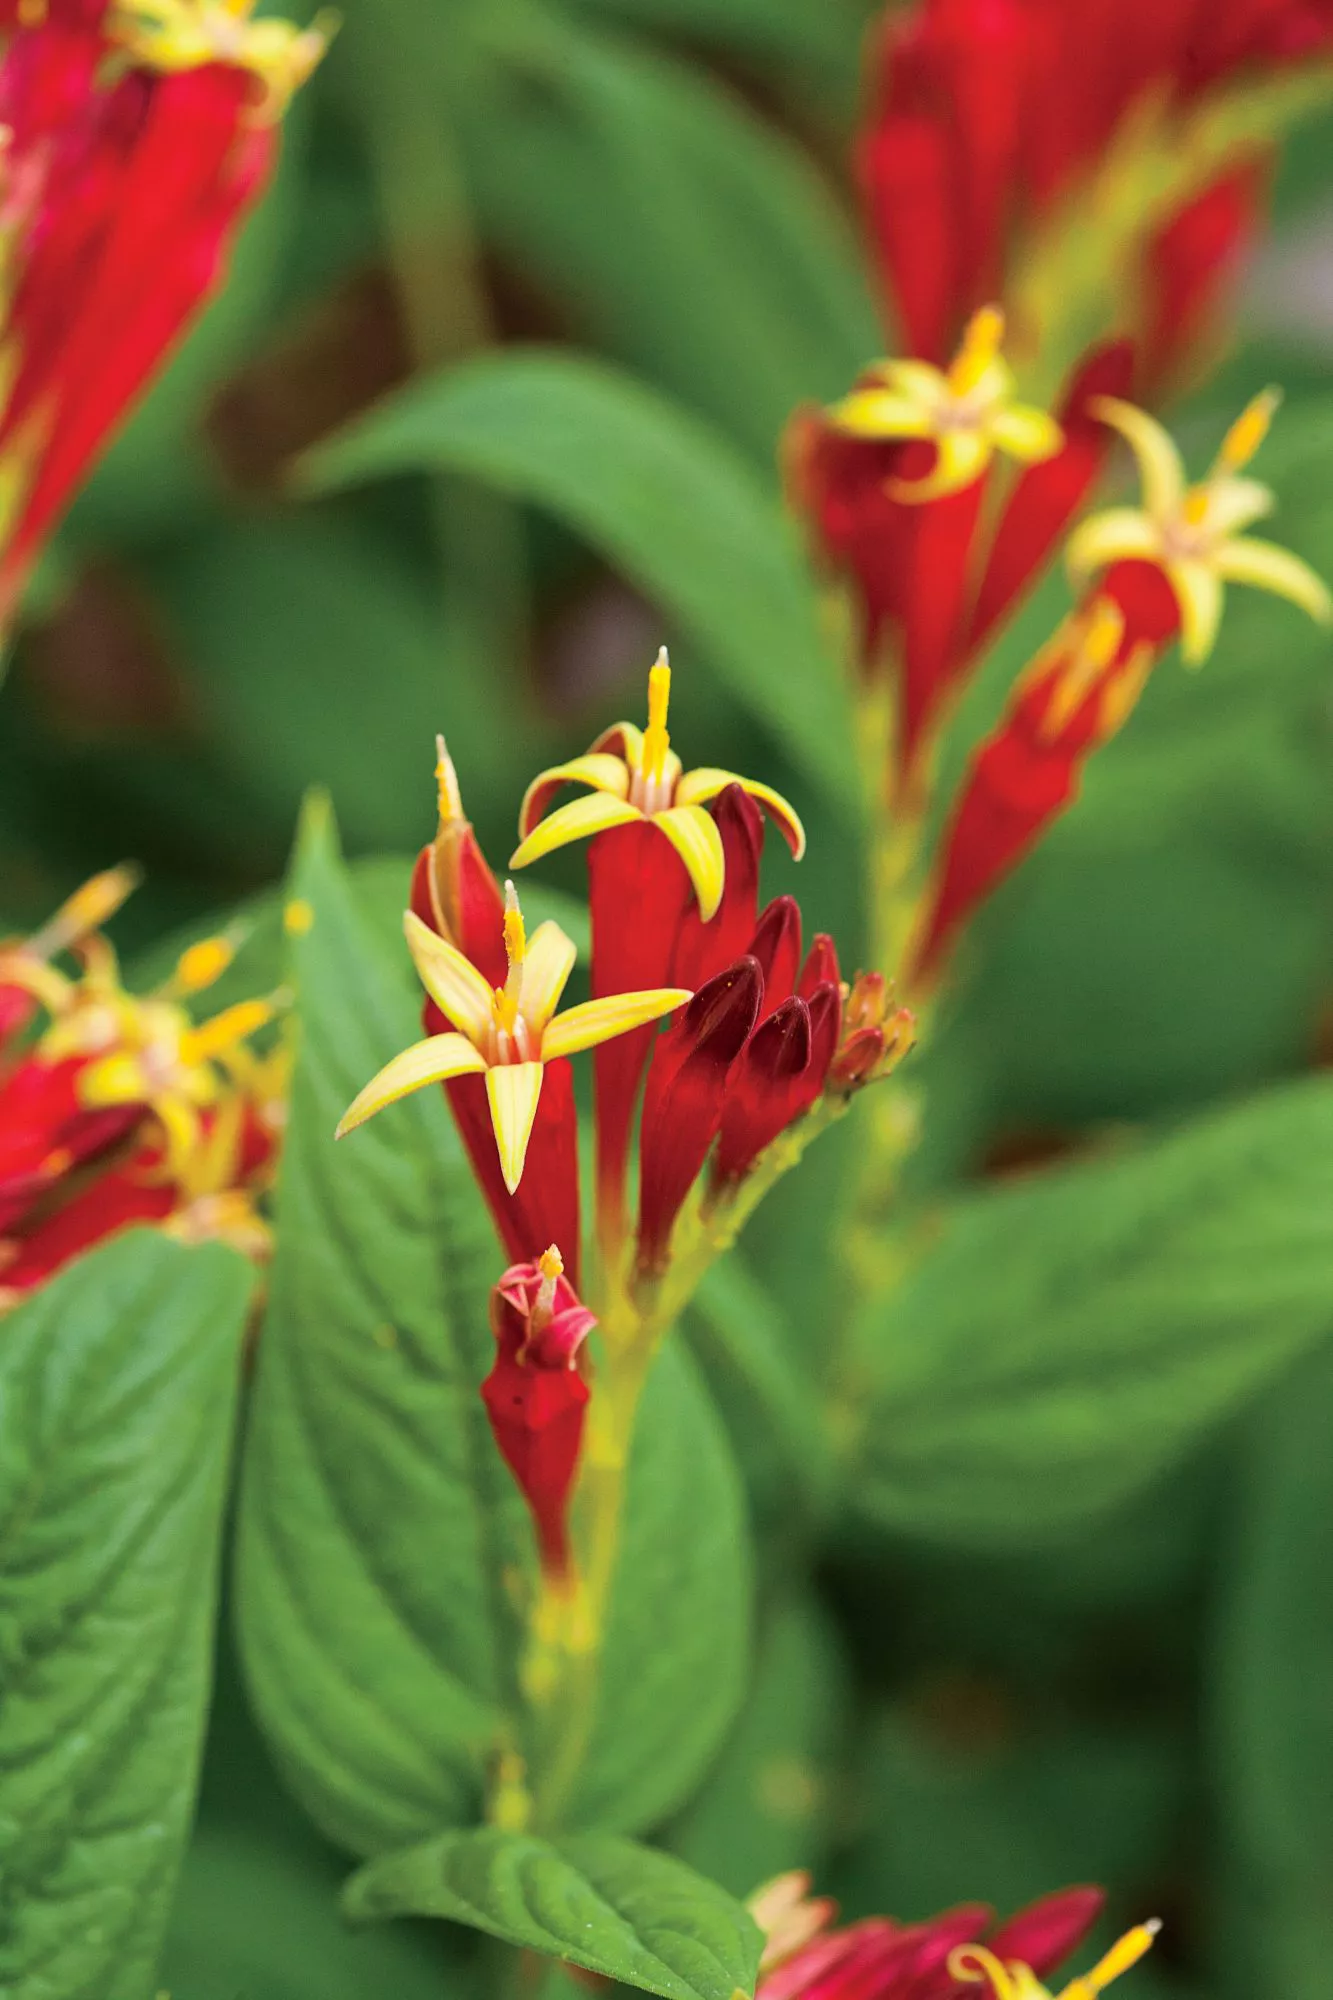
column 825, row 1030
column 867, row 1003
column 821, row 966
column 766, row 1089
column 703, row 949
column 777, row 946
column 857, row 1060
column 453, row 888
column 683, row 1099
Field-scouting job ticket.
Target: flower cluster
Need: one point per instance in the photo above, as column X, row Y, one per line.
column 991, row 121
column 137, row 133
column 763, row 1043
column 117, row 1109
column 944, row 1958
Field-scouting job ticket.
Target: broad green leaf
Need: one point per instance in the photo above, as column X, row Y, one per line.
column 377, row 1517
column 1274, row 1723
column 771, row 1801
column 1070, row 1338
column 651, row 487
column 592, row 1900
column 673, row 1673
column 117, row 1391
column 685, row 235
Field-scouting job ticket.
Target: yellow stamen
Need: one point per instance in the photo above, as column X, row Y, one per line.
column 446, row 783
column 86, row 910
column 1194, row 507
column 1122, row 1955
column 1248, row 432
column 1094, row 649
column 552, row 1267
column 505, row 1002
column 981, row 344
column 233, row 1024
column 203, row 964
column 656, row 741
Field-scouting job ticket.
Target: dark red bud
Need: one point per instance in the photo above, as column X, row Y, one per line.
column 766, row 1089
column 821, row 965
column 703, row 949
column 682, row 1104
column 777, row 946
column 825, row 1030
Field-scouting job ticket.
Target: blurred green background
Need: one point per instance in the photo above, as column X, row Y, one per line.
column 943, row 1714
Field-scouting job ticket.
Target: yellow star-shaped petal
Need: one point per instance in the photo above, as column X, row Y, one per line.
column 634, row 774
column 969, row 412
column 1194, row 534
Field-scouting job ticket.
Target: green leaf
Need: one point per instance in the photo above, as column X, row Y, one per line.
column 1276, row 1728
column 117, row 1391
column 377, row 1517
column 1070, row 1338
column 677, row 1646
column 770, row 1803
column 592, row 1900
column 654, row 489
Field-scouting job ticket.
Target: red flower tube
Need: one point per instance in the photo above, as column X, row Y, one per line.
column 536, row 1395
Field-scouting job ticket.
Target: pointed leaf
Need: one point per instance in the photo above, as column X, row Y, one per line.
column 117, row 1392
column 591, row 1900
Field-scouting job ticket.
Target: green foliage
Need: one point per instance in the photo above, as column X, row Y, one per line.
column 117, row 1389
column 663, row 496
column 377, row 1518
column 1069, row 1339
column 618, row 1909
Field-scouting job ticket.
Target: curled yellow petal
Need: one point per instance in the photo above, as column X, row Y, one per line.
column 452, row 981
column 514, row 1090
column 550, row 959
column 86, row 910
column 697, row 787
column 603, row 772
column 597, row 1021
column 1198, row 593
column 694, row 835
column 919, row 380
column 880, row 413
column 431, row 1061
column 579, row 820
column 961, row 457
column 1160, row 470
column 232, row 1025
column 1268, row 567
column 1119, row 534
column 1027, row 434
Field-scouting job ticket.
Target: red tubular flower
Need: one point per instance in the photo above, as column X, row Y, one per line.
column 657, row 873
column 1074, row 696
column 122, row 1110
column 453, row 888
column 536, row 1395
column 987, row 113
column 125, row 185
column 945, row 1958
column 683, row 1099
column 933, row 565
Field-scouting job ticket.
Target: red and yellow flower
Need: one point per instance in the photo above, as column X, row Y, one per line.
column 138, row 135
column 945, row 1958
column 123, row 1109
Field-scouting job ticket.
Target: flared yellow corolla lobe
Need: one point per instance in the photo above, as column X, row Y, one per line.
column 969, row 412
column 505, row 1033
column 173, row 35
column 634, row 774
column 978, row 1966
column 1194, row 534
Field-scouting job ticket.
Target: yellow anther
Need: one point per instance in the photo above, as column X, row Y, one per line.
column 982, row 340
column 656, row 741
column 1248, row 432
column 446, row 785
column 1125, row 1953
column 1194, row 507
column 86, row 910
column 1094, row 648
column 203, row 964
column 505, row 999
column 551, row 1265
column 232, row 1025
column 1104, row 631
